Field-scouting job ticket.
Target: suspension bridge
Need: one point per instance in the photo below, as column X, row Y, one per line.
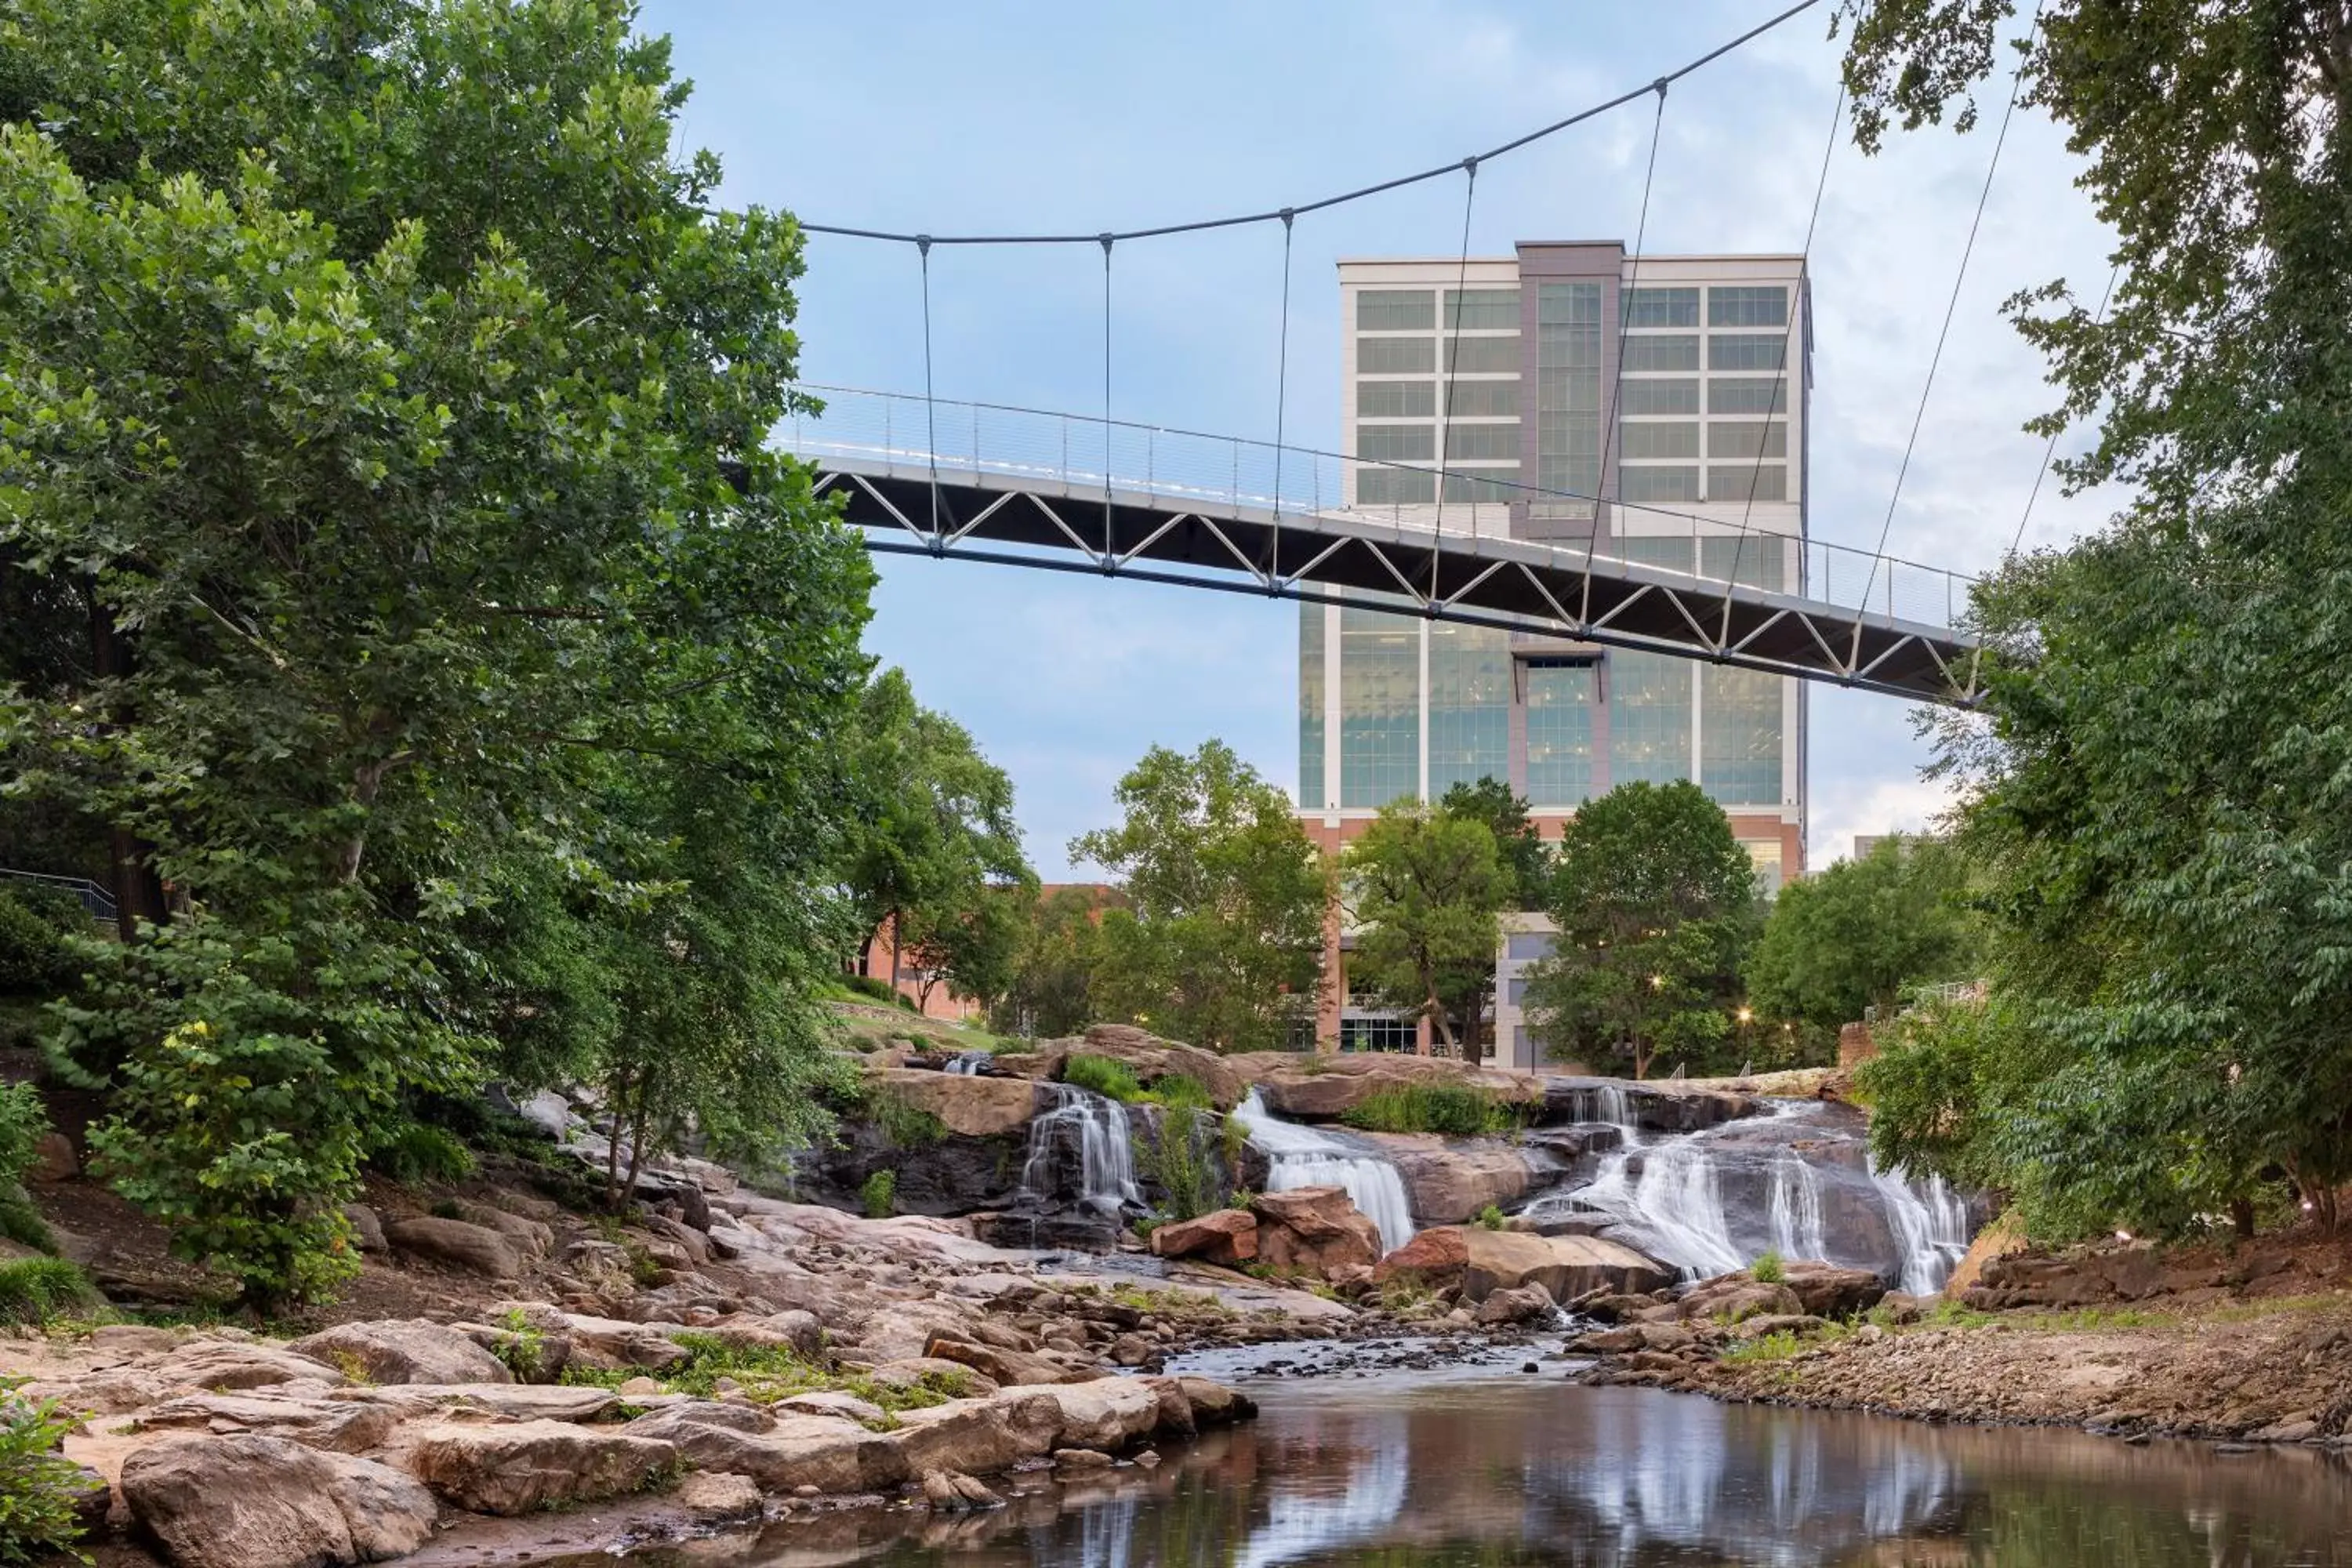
column 922, row 475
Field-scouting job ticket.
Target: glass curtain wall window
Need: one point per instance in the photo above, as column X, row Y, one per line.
column 1469, row 705
column 1649, row 718
column 1568, row 395
column 1739, row 735
column 1560, row 735
column 1379, row 707
column 1310, row 707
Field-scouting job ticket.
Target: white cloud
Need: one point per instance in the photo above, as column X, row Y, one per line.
column 1844, row 808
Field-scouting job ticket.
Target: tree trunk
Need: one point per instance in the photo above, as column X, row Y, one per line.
column 637, row 1137
column 138, row 891
column 2241, row 1217
column 893, row 920
column 1640, row 1060
column 617, row 1093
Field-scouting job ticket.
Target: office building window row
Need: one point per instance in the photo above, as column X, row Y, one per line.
column 1649, row 718
column 1661, row 462
column 1379, row 707
column 1469, row 705
column 1560, row 699
column 1310, row 707
column 1739, row 735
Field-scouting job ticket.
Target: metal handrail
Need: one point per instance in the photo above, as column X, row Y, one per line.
column 97, row 900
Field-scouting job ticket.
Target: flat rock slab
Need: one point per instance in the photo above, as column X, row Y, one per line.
column 513, row 1401
column 414, row 1349
column 327, row 1421
column 231, row 1367
column 521, row 1467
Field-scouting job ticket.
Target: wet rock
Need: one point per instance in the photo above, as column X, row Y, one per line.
column 458, row 1243
column 1565, row 1265
column 1215, row 1405
column 717, row 1495
column 410, row 1351
column 1082, row 1460
column 1454, row 1180
column 1227, row 1237
column 1521, row 1304
column 1610, row 1306
column 245, row 1500
column 518, row 1468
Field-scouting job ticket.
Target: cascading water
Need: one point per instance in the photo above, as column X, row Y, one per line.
column 1673, row 1210
column 1098, row 1125
column 1931, row 1223
column 1302, row 1157
column 1797, row 1210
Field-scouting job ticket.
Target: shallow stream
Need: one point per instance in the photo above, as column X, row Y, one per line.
column 1493, row 1468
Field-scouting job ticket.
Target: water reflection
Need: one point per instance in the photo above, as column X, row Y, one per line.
column 1451, row 1475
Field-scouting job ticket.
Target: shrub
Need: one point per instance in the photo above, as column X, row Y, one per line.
column 880, row 1195
column 1112, row 1080
column 524, row 1350
column 1456, row 1111
column 1768, row 1269
column 22, row 1124
column 1491, row 1218
column 1175, row 1165
column 416, row 1152
column 903, row 1124
column 1181, row 1089
column 35, row 958
column 37, row 1483
column 35, row 1289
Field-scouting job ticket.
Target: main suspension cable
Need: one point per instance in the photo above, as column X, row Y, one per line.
column 1610, row 416
column 1279, row 213
column 1281, row 399
column 1450, row 347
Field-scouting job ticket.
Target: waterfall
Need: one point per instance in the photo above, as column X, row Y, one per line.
column 968, row 1064
column 1106, row 1149
column 1302, row 1157
column 1931, row 1223
column 1673, row 1210
column 1796, row 1210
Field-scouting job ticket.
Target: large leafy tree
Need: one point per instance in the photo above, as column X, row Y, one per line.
column 382, row 422
column 934, row 839
column 1425, row 887
column 1526, row 858
column 2159, row 789
column 1853, row 935
column 1219, row 942
column 1050, row 992
column 1655, row 904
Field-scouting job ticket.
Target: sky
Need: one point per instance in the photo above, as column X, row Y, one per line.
column 926, row 116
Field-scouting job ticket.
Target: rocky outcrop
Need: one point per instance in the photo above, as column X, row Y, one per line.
column 1655, row 1107
column 456, row 1243
column 345, row 1425
column 246, row 1501
column 969, row 1105
column 1227, row 1237
column 1454, row 1180
column 1825, row 1290
column 1314, row 1231
column 521, row 1466
column 1146, row 1055
column 1326, row 1088
column 416, row 1350
column 1567, row 1266
column 1436, row 1260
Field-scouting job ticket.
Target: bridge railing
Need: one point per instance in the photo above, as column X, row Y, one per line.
column 1073, row 454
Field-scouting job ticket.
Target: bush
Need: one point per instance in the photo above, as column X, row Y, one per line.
column 1181, row 1089
column 880, row 1195
column 1490, row 1217
column 1176, row 1166
column 34, row 959
column 1456, row 1111
column 1112, row 1080
column 876, row 989
column 37, row 1483
column 1768, row 1269
column 22, row 1124
column 35, row 1289
column 903, row 1125
column 416, row 1152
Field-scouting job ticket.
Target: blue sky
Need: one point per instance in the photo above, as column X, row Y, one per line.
column 937, row 118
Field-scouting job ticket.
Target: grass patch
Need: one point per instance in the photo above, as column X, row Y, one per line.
column 1111, row 1079
column 2092, row 1319
column 1455, row 1110
column 1764, row 1349
column 34, row 1291
column 1180, row 1092
column 1768, row 1269
column 1952, row 1315
column 902, row 1123
column 766, row 1373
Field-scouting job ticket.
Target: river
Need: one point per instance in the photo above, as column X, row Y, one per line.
column 1494, row 1468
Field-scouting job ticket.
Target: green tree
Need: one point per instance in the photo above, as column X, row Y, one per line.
column 935, row 828
column 1526, row 857
column 1655, row 904
column 1050, row 995
column 384, row 404
column 1853, row 935
column 1222, row 934
column 1426, row 887
column 2158, row 791
column 972, row 945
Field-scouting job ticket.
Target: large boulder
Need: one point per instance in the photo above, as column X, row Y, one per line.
column 1326, row 1088
column 1227, row 1237
column 456, row 1243
column 1314, row 1231
column 230, row 1366
column 514, row 1468
column 827, row 1452
column 346, row 1426
column 1109, row 1414
column 531, row 1238
column 969, row 1105
column 612, row 1343
column 1453, row 1180
column 1149, row 1057
column 1734, row 1299
column 1522, row 1304
column 246, row 1500
column 414, row 1349
column 1567, row 1266
column 1001, row 1364
column 979, row 1436
column 1433, row 1260
column 1828, row 1291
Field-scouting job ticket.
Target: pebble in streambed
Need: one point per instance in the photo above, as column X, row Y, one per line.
column 1308, row 1359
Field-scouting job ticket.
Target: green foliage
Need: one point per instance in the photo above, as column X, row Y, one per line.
column 415, row 1153
column 1182, row 1090
column 23, row 1123
column 1855, row 934
column 1490, row 1217
column 902, row 1123
column 35, row 958
column 37, row 1483
column 1050, row 994
column 35, row 1289
column 2159, row 789
column 1220, row 941
column 1104, row 1075
column 1173, row 1163
column 1457, row 1110
column 1764, row 1349
column 1655, row 902
column 1768, row 1269
column 1425, row 887
column 464, row 656
column 879, row 1195
column 1527, row 860
column 524, row 1348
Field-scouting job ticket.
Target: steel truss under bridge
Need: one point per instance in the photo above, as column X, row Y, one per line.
column 1063, row 492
